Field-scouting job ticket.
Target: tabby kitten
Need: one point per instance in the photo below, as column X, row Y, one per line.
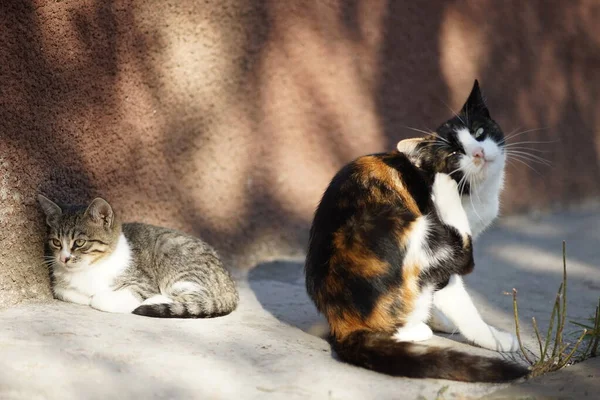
column 133, row 268
column 390, row 240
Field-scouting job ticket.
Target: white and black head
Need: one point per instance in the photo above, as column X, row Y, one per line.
column 469, row 146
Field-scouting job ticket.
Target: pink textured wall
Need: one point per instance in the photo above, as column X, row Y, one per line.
column 227, row 118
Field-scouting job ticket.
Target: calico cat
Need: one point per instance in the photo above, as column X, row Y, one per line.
column 392, row 237
column 133, row 268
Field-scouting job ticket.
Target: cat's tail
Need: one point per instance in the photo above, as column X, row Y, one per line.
column 381, row 353
column 199, row 307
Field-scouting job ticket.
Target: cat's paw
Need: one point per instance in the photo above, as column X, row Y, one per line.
column 440, row 323
column 120, row 301
column 72, row 296
column 500, row 341
column 413, row 333
column 448, row 203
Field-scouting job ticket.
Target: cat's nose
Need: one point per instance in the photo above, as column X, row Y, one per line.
column 64, row 258
column 478, row 152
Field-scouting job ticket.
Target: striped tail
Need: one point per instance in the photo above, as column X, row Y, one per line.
column 200, row 308
column 381, row 353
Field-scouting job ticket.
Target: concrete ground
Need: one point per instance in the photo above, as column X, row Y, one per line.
column 271, row 346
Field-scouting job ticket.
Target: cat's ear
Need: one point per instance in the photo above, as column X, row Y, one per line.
column 50, row 208
column 475, row 104
column 408, row 146
column 100, row 212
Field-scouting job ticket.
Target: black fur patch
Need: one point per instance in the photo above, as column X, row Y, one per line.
column 380, row 352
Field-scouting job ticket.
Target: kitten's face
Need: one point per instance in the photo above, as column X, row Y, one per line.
column 78, row 237
column 469, row 147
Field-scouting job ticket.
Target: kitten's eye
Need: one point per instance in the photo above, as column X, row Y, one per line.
column 79, row 242
column 478, row 133
column 55, row 242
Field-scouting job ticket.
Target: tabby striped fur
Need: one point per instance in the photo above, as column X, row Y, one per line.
column 147, row 270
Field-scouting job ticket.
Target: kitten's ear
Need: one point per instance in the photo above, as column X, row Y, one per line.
column 50, row 208
column 475, row 104
column 100, row 212
column 408, row 146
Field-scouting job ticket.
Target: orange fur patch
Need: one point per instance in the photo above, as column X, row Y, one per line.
column 356, row 256
column 372, row 167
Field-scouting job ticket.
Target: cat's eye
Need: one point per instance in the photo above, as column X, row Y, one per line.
column 79, row 242
column 478, row 133
column 55, row 242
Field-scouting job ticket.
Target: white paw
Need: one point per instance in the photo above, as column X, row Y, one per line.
column 121, row 301
column 440, row 323
column 449, row 204
column 157, row 299
column 499, row 341
column 413, row 333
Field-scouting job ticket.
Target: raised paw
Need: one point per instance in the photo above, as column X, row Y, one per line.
column 445, row 190
column 448, row 203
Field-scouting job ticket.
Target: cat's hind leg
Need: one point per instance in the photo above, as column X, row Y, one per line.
column 157, row 299
column 456, row 304
column 413, row 333
column 187, row 299
column 415, row 329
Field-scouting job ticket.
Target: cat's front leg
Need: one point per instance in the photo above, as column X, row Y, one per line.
column 72, row 296
column 449, row 204
column 118, row 301
column 456, row 305
column 454, row 221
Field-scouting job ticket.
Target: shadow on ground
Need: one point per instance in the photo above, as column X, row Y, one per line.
column 279, row 288
column 519, row 252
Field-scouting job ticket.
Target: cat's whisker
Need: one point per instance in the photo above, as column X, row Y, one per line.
column 429, row 133
column 529, row 157
column 453, row 112
column 511, row 133
column 529, row 149
column 532, row 159
column 462, row 184
column 462, row 188
column 531, row 142
column 418, row 130
column 514, row 135
column 527, row 165
column 471, row 199
column 455, row 171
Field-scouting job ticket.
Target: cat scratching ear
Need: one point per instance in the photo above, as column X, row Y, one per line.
column 475, row 104
column 101, row 212
column 408, row 146
column 50, row 208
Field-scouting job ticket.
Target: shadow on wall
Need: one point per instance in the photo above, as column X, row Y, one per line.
column 539, row 65
column 228, row 118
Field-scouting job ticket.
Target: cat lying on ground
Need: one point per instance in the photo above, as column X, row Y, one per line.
column 133, row 268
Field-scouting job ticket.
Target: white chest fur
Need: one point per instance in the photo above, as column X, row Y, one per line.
column 100, row 276
column 483, row 205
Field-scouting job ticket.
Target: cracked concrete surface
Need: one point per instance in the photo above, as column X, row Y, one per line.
column 271, row 346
